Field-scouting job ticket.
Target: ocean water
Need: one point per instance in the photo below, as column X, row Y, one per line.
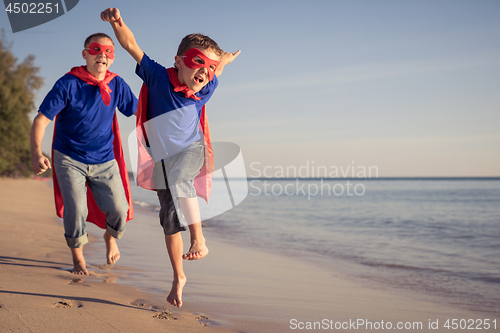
column 436, row 237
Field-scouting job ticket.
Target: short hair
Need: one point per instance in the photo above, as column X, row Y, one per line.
column 199, row 41
column 96, row 35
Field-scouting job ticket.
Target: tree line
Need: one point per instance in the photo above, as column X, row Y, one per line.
column 19, row 82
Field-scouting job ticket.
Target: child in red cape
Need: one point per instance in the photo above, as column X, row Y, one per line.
column 171, row 117
column 90, row 178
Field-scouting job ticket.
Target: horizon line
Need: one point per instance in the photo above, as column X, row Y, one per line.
column 365, row 178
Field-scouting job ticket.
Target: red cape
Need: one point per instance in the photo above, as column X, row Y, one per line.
column 145, row 163
column 95, row 215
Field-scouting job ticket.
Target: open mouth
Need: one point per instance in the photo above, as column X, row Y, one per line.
column 199, row 79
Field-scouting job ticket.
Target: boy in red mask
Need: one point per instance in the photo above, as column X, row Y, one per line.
column 174, row 132
column 90, row 177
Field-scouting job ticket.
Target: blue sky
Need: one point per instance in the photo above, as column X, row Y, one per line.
column 408, row 87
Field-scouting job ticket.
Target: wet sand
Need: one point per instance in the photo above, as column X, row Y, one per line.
column 39, row 294
column 260, row 292
column 233, row 289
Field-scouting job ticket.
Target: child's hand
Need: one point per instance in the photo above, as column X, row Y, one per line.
column 123, row 33
column 228, row 57
column 112, row 15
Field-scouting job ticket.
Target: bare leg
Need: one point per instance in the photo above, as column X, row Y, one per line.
column 112, row 252
column 79, row 265
column 174, row 248
column 191, row 211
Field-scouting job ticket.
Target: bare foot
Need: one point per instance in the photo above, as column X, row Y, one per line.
column 79, row 265
column 112, row 252
column 79, row 269
column 175, row 296
column 197, row 250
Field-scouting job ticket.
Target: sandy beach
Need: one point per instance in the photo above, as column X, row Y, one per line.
column 234, row 289
column 39, row 294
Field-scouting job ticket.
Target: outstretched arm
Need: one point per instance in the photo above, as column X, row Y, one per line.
column 123, row 33
column 226, row 58
column 39, row 162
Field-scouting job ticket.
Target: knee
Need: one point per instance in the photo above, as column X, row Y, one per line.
column 76, row 210
column 117, row 209
column 121, row 209
column 175, row 177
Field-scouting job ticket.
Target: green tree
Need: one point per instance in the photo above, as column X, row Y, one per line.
column 18, row 84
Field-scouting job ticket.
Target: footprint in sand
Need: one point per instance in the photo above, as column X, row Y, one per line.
column 163, row 315
column 63, row 304
column 139, row 303
column 66, row 304
column 201, row 317
column 205, row 321
column 105, row 266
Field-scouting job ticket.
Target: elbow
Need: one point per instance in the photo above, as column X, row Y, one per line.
column 126, row 45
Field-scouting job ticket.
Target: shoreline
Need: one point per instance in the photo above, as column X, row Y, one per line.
column 234, row 288
column 266, row 292
column 256, row 290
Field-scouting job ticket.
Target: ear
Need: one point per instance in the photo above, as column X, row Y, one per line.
column 84, row 54
column 178, row 61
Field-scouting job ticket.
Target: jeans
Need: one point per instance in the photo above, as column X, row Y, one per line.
column 107, row 188
column 175, row 178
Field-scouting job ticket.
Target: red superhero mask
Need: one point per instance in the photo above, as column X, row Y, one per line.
column 209, row 64
column 96, row 48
